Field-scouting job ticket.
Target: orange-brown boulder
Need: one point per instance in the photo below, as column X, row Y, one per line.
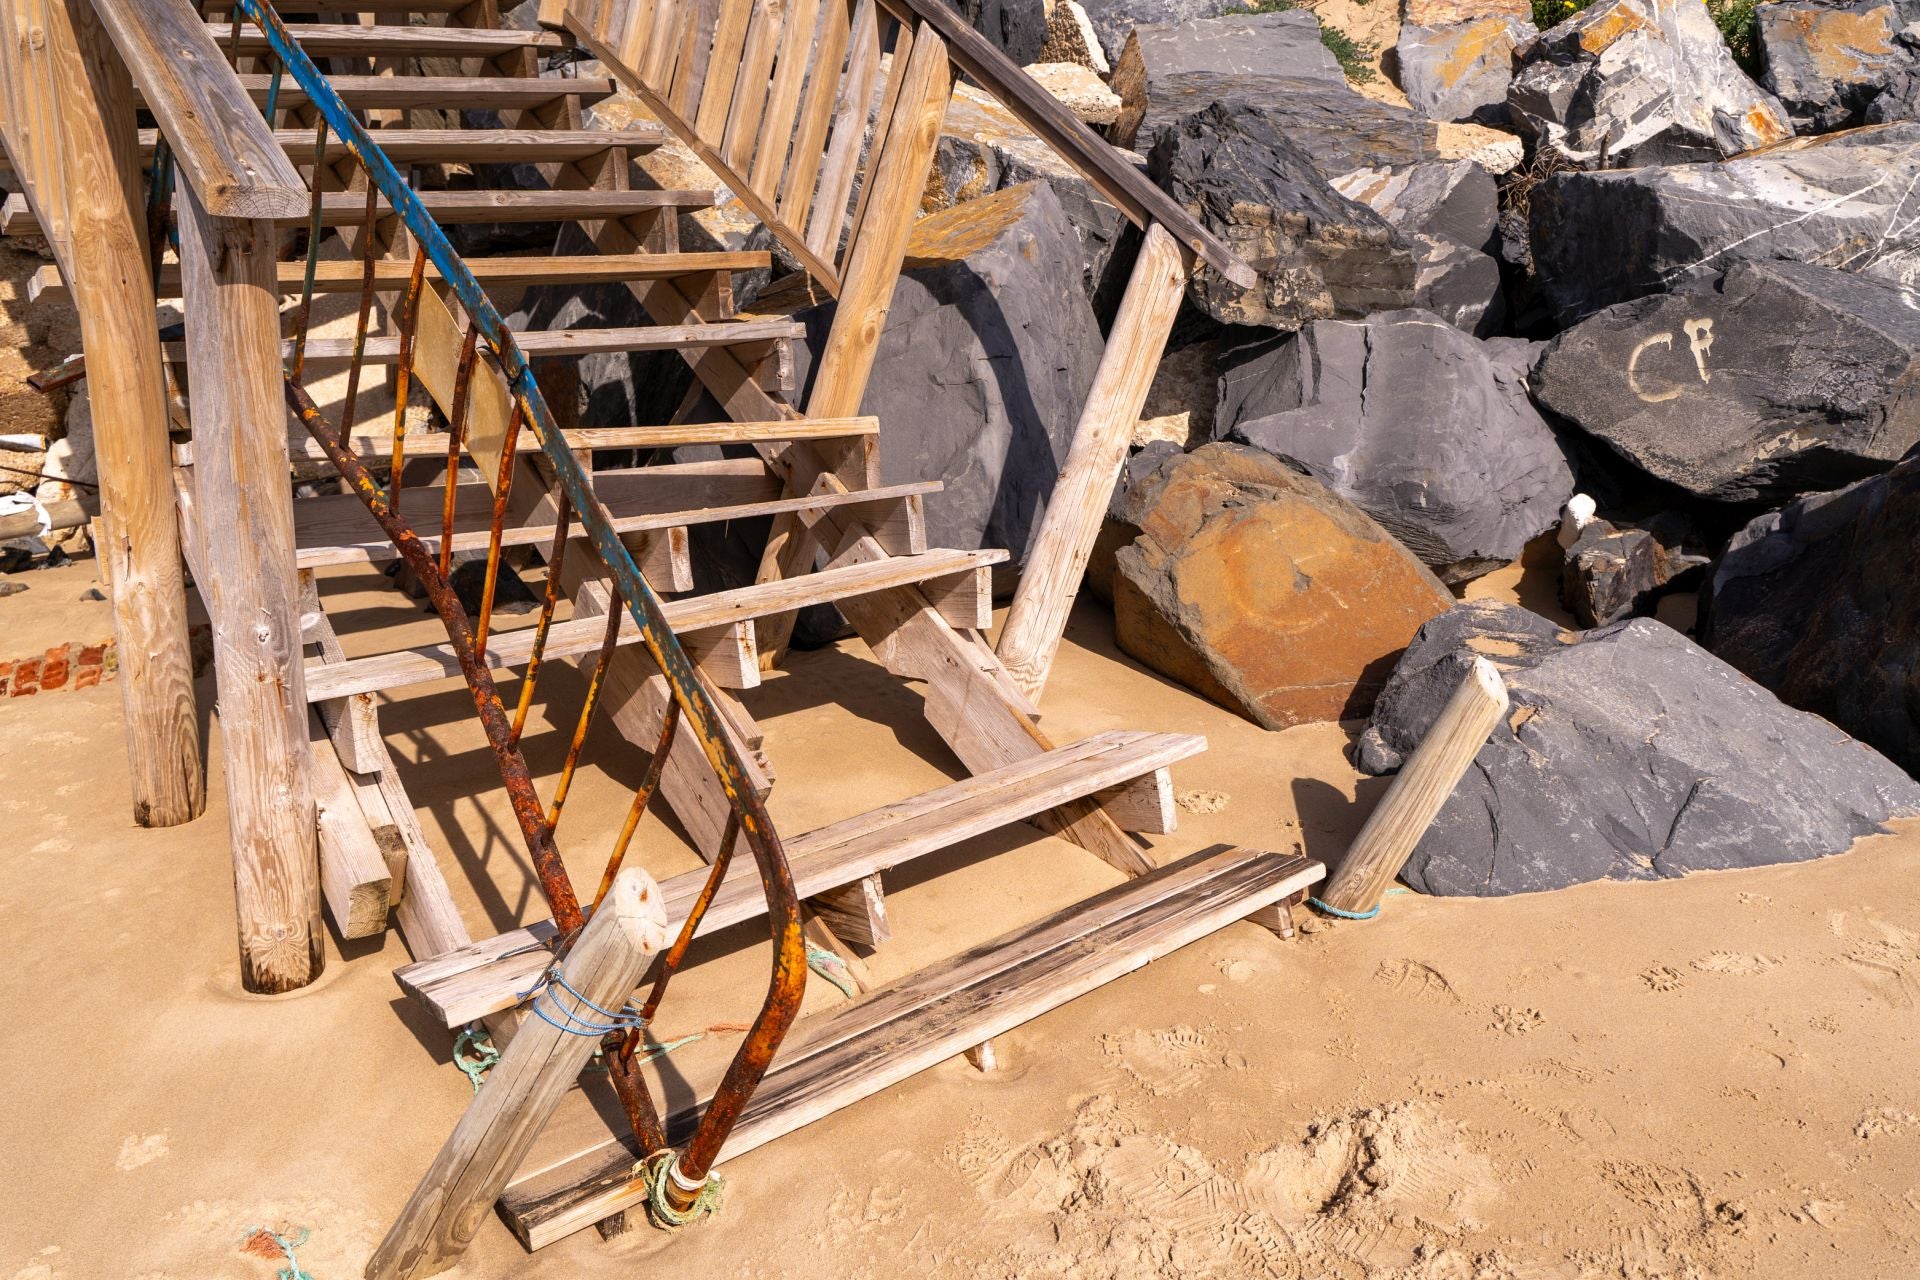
column 1260, row 588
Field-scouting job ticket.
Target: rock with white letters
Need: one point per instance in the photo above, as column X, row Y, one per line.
column 1774, row 380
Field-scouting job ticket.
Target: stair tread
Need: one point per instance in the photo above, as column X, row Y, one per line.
column 347, row 275
column 318, row 546
column 378, row 444
column 339, row 39
column 487, row 976
column 693, row 613
column 385, row 349
column 581, row 1172
column 348, row 208
column 466, row 93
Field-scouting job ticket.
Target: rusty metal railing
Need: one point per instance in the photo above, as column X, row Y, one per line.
column 682, row 1177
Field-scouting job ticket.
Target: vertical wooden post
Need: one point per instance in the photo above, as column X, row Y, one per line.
column 600, row 972
column 105, row 265
column 1418, row 790
column 1058, row 557
column 244, row 505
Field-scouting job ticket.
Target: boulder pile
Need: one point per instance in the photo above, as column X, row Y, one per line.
column 1587, row 316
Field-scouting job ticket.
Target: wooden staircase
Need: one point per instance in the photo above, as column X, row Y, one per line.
column 821, row 117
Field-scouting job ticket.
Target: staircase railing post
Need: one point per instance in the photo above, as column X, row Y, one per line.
column 248, row 580
column 87, row 104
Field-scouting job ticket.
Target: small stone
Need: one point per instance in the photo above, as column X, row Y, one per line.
column 1078, row 89
column 1071, row 38
column 1461, row 70
column 1494, row 150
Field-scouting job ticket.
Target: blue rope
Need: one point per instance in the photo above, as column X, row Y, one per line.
column 1338, row 914
column 626, row 1018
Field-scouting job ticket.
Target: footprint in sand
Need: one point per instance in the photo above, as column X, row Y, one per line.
column 1237, row 970
column 1413, row 978
column 1514, row 1020
column 1201, row 802
column 1663, row 978
column 136, row 1151
column 1165, row 1062
column 1734, row 962
column 1883, row 1121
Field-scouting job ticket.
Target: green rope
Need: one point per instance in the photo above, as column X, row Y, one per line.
column 655, row 1172
column 832, row 968
column 474, row 1054
column 292, row 1270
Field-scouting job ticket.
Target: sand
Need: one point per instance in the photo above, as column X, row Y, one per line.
column 1698, row 1078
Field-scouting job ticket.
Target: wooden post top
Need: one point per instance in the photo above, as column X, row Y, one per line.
column 224, row 146
column 638, row 909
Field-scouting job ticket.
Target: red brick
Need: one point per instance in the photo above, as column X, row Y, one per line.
column 53, row 669
column 26, row 677
column 91, row 655
column 6, row 678
column 86, row 677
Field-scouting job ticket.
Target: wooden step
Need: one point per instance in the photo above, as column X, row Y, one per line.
column 393, row 273
column 455, row 93
column 378, row 445
column 348, row 208
column 893, row 514
column 347, row 40
column 586, row 342
column 470, row 146
column 486, row 977
column 898, row 1031
column 964, row 569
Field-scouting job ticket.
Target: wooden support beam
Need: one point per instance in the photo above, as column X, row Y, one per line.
column 352, row 723
column 1145, row 804
column 90, row 174
column 455, row 1197
column 1057, row 560
column 245, row 511
column 856, row 912
column 355, row 879
column 1418, row 790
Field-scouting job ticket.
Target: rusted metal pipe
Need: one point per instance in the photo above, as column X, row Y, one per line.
column 503, row 489
column 607, row 646
column 562, row 519
column 456, row 441
column 366, row 309
column 656, row 766
column 402, row 374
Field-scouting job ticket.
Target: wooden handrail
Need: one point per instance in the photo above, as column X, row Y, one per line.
column 1107, row 169
column 225, row 148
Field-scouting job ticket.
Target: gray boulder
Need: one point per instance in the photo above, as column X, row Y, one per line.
column 1827, row 59
column 1450, row 211
column 1634, row 82
column 984, row 148
column 1461, row 71
column 1018, row 28
column 1234, row 167
column 1777, row 379
column 1273, row 61
column 1820, row 603
column 1898, row 97
column 1411, row 421
column 1630, row 753
column 1116, row 20
column 988, row 353
column 1844, row 200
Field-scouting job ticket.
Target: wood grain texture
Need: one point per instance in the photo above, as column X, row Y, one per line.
column 1423, row 784
column 483, row 977
column 251, row 590
column 939, row 1012
column 457, row 1192
column 354, row 878
column 1057, row 559
column 84, row 150
column 225, row 149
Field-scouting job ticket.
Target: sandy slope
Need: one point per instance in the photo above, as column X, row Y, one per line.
column 1710, row 1077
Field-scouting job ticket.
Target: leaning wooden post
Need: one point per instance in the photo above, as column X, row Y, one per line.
column 105, row 268
column 547, row 1054
column 1058, row 557
column 1414, row 798
column 244, row 505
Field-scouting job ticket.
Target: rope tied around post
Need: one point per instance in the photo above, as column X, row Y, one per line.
column 663, row 1167
column 575, row 1023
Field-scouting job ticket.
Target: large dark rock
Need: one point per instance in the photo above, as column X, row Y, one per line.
column 1018, row 28
column 1450, row 211
column 1844, row 200
column 1410, row 420
column 1234, row 167
column 1777, row 379
column 1260, row 588
column 1633, row 82
column 987, row 356
column 1461, row 70
column 1899, row 95
column 1630, row 753
column 1273, row 61
column 1116, row 20
column 984, row 148
column 1827, row 59
column 1821, row 603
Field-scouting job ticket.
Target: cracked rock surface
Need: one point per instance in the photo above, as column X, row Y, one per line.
column 1629, row 753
